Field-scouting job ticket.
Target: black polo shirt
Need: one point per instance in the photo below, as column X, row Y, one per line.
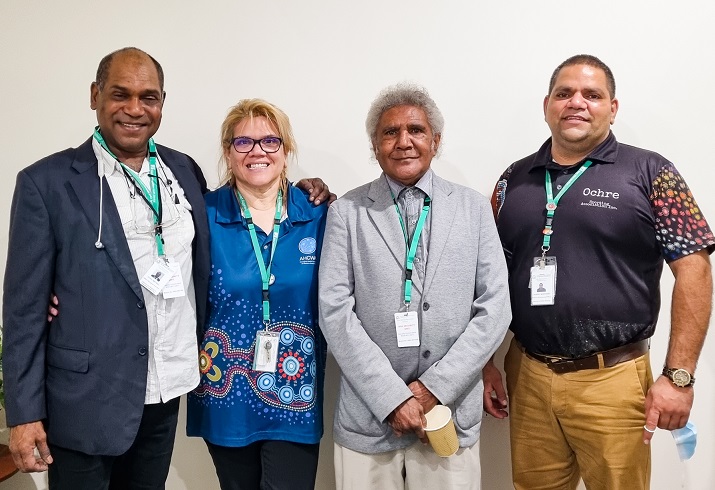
column 612, row 230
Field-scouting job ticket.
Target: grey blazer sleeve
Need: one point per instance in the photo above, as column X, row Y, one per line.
column 363, row 363
column 490, row 313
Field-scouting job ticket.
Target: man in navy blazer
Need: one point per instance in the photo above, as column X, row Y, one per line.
column 77, row 391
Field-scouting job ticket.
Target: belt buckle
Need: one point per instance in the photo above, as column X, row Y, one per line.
column 554, row 359
column 560, row 364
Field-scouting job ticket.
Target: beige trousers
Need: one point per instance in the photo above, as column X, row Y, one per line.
column 416, row 467
column 585, row 424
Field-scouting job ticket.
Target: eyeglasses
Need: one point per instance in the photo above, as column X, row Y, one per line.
column 143, row 217
column 269, row 144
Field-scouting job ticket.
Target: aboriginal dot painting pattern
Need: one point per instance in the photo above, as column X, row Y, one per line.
column 227, row 352
column 680, row 226
column 499, row 195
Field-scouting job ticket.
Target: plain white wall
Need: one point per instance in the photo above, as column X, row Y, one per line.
column 486, row 64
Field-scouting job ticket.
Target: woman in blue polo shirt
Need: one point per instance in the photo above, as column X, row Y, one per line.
column 259, row 403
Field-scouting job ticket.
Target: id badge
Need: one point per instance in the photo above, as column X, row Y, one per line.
column 542, row 281
column 265, row 355
column 157, row 277
column 175, row 287
column 407, row 329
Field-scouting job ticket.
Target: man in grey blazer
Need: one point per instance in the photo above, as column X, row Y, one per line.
column 410, row 326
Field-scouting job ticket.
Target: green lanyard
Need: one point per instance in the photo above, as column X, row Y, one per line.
column 151, row 196
column 412, row 246
column 265, row 270
column 552, row 202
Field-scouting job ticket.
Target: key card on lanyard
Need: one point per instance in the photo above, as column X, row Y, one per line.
column 265, row 355
column 542, row 281
column 157, row 277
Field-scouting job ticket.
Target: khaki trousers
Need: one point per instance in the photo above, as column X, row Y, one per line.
column 585, row 424
column 416, row 467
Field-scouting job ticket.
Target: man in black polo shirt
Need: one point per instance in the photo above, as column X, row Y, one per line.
column 601, row 217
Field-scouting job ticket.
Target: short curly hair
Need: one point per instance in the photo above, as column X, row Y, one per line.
column 409, row 94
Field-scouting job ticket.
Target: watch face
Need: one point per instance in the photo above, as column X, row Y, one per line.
column 681, row 377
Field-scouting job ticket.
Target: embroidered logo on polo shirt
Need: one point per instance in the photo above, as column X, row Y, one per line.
column 307, row 247
column 588, row 192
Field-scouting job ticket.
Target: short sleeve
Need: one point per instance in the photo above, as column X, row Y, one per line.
column 680, row 226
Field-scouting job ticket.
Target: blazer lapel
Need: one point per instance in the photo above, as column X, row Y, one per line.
column 86, row 188
column 384, row 217
column 444, row 211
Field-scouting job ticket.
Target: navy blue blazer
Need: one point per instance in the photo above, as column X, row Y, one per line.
column 85, row 375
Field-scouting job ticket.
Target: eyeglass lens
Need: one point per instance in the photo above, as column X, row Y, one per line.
column 269, row 144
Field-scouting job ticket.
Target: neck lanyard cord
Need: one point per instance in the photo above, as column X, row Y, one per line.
column 412, row 245
column 552, row 203
column 151, row 196
column 264, row 270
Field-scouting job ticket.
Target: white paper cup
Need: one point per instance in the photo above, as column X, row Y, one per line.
column 441, row 432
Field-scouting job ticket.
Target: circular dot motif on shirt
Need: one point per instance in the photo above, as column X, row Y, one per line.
column 306, row 393
column 307, row 345
column 287, row 336
column 286, row 394
column 266, row 381
column 291, row 366
column 205, row 362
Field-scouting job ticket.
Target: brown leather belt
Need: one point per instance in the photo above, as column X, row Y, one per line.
column 598, row 360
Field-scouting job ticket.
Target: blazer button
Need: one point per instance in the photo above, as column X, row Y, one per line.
column 142, row 351
column 425, row 306
column 140, row 305
column 426, row 354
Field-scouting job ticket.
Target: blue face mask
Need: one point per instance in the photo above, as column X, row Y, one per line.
column 686, row 439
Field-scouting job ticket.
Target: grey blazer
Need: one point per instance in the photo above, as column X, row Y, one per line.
column 463, row 309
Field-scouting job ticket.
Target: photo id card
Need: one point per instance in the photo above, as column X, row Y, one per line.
column 543, row 285
column 157, row 277
column 265, row 355
column 407, row 329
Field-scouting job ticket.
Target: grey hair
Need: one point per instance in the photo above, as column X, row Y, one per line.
column 409, row 94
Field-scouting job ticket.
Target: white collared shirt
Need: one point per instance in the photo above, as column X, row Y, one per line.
column 172, row 350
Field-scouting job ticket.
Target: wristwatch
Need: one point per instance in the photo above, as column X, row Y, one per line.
column 679, row 377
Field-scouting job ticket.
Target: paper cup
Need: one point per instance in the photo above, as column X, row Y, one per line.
column 441, row 432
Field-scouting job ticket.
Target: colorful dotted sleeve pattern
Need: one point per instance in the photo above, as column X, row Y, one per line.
column 500, row 191
column 680, row 226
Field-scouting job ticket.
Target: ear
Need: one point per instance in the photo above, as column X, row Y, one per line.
column 93, row 94
column 614, row 109
column 546, row 103
column 435, row 142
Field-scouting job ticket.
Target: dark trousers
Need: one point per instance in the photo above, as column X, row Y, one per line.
column 266, row 465
column 144, row 466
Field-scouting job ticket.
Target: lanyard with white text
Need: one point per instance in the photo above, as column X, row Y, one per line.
column 412, row 245
column 552, row 202
column 265, row 270
column 151, row 197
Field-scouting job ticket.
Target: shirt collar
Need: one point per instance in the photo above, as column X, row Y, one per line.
column 606, row 152
column 111, row 165
column 424, row 184
column 298, row 207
